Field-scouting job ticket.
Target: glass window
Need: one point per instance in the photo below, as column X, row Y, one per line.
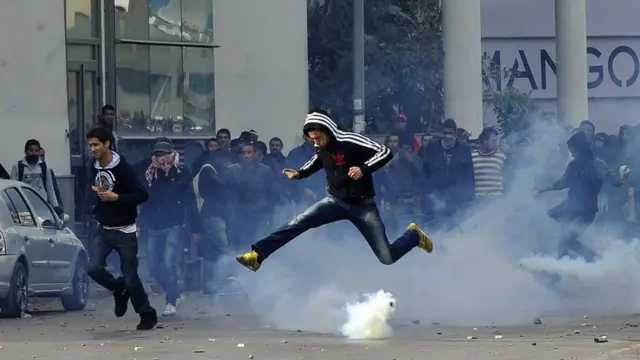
column 24, row 216
column 12, row 209
column 132, row 89
column 82, row 18
column 164, row 90
column 44, row 214
column 198, row 90
column 80, row 52
column 197, row 21
column 166, row 20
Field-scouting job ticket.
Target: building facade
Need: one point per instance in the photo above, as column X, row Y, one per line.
column 185, row 68
column 521, row 34
column 177, row 68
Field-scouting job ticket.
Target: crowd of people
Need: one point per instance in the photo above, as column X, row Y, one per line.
column 230, row 195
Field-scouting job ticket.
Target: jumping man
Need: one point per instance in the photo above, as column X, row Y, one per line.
column 349, row 159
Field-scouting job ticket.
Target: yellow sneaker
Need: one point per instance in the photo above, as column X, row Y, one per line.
column 249, row 260
column 424, row 242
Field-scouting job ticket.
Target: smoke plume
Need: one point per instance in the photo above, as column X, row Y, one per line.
column 486, row 270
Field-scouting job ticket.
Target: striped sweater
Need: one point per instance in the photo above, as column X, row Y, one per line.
column 487, row 170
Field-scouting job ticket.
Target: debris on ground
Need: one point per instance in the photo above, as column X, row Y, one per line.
column 537, row 321
column 472, row 338
column 600, row 339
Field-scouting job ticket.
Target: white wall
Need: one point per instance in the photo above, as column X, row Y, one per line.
column 522, row 32
column 33, row 81
column 261, row 67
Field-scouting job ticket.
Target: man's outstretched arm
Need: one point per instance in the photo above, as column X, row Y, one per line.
column 310, row 167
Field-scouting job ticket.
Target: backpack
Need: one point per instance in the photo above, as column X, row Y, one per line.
column 43, row 168
column 196, row 189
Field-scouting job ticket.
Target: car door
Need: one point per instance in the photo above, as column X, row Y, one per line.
column 36, row 245
column 60, row 256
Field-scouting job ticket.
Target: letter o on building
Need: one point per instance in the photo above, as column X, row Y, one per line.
column 636, row 65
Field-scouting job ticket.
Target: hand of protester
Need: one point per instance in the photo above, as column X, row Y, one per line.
column 107, row 196
column 310, row 194
column 624, row 173
column 355, row 173
column 291, row 174
column 537, row 193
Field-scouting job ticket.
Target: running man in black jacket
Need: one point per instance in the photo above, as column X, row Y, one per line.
column 349, row 159
column 119, row 192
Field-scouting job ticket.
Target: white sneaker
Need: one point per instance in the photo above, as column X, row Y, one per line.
column 169, row 310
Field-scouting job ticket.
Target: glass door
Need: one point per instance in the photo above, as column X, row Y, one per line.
column 83, row 103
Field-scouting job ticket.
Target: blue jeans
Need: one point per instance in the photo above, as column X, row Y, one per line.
column 364, row 216
column 216, row 252
column 164, row 246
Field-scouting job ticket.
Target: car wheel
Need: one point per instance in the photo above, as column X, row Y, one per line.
column 15, row 304
column 77, row 300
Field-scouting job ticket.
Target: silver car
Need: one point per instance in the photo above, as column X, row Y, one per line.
column 39, row 255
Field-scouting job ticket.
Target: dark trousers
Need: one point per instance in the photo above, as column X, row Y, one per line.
column 573, row 226
column 126, row 245
column 364, row 216
column 112, row 260
column 570, row 244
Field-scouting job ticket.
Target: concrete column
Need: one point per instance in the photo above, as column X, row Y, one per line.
column 571, row 58
column 262, row 68
column 463, row 64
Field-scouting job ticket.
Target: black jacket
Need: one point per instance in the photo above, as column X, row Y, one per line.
column 171, row 198
column 345, row 150
column 449, row 173
column 120, row 178
column 584, row 178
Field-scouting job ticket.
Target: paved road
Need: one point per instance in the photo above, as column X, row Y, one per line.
column 199, row 333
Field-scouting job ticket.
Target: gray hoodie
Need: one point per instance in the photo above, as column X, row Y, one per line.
column 33, row 177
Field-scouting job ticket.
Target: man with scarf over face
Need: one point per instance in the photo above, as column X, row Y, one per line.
column 583, row 177
column 171, row 197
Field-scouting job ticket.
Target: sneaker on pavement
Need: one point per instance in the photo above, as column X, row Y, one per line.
column 169, row 310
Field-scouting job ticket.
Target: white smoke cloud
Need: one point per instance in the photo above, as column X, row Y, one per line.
column 474, row 275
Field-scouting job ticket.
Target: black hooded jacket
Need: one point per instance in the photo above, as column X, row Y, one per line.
column 584, row 178
column 344, row 150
